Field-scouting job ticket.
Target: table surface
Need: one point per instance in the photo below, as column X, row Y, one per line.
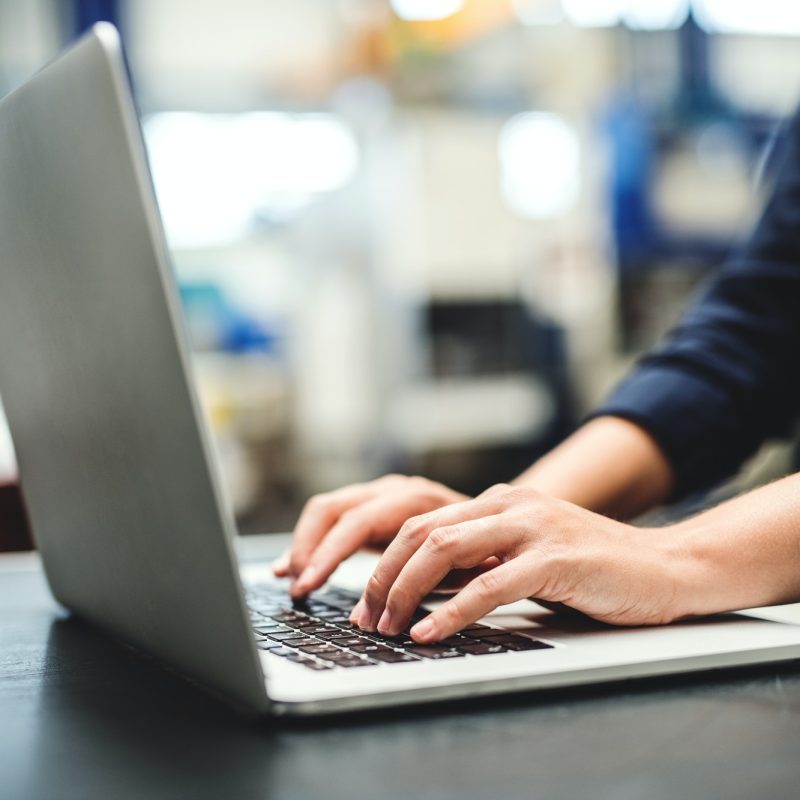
column 83, row 717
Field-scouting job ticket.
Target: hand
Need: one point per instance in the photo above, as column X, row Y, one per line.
column 546, row 548
column 333, row 526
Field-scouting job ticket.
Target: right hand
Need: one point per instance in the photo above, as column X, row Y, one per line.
column 332, row 526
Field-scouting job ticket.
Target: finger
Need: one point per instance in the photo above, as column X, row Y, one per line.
column 318, row 516
column 455, row 547
column 280, row 566
column 504, row 584
column 344, row 538
column 381, row 515
column 411, row 536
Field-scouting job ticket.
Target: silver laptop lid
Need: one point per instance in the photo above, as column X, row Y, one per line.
column 113, row 461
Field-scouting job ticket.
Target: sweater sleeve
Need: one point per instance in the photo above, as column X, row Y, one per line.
column 728, row 376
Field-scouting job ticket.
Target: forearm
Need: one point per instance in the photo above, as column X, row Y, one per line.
column 742, row 554
column 610, row 466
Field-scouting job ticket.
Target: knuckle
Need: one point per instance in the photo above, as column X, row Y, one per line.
column 390, row 479
column 488, row 586
column 543, row 515
column 519, row 493
column 498, row 490
column 442, row 540
column 419, row 482
column 413, row 529
column 352, row 517
column 451, row 613
column 319, row 502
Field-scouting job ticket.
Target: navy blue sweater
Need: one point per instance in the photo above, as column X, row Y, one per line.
column 728, row 376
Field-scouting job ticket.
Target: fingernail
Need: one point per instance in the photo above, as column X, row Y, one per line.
column 355, row 614
column 425, row 630
column 385, row 622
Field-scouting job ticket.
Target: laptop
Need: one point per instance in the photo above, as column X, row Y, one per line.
column 117, row 470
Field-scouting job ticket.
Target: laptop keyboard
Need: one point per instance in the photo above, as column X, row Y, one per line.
column 317, row 633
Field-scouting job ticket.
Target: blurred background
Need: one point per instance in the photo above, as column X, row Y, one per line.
column 426, row 236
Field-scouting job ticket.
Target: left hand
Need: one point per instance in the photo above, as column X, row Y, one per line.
column 545, row 548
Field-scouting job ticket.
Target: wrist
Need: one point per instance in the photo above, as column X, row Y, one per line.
column 697, row 571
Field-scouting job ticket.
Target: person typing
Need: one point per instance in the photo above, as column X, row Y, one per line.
column 690, row 413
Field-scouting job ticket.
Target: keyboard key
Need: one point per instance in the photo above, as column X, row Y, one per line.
column 282, row 636
column 317, row 665
column 352, row 661
column 302, row 641
column 346, row 626
column 315, row 630
column 332, row 655
column 394, row 641
column 267, row 644
column 305, row 622
column 393, row 657
column 269, row 628
column 454, row 641
column 266, row 609
column 318, row 649
column 519, row 643
column 482, row 649
column 335, row 633
column 349, row 641
column 434, row 652
column 285, row 616
column 475, row 628
column 364, row 647
column 488, row 633
column 295, row 641
column 300, row 659
column 282, row 651
column 336, row 600
column 331, row 614
column 382, row 648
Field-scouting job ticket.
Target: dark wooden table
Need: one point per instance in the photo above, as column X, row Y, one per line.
column 82, row 717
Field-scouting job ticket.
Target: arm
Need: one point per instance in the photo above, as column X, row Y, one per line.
column 741, row 554
column 702, row 402
column 610, row 465
column 725, row 380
